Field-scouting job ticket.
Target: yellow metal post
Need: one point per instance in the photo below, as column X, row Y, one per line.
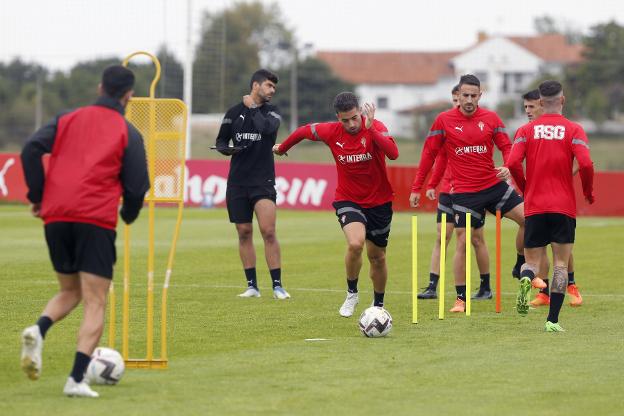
column 442, row 265
column 162, row 122
column 111, row 316
column 468, row 260
column 414, row 269
column 126, row 296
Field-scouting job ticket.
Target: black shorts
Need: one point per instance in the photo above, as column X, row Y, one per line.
column 79, row 247
column 445, row 205
column 376, row 219
column 543, row 229
column 241, row 200
column 501, row 197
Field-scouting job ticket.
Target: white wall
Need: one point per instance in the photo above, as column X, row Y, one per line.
column 402, row 97
column 494, row 58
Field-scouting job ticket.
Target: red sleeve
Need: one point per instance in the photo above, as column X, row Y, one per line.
column 433, row 144
column 580, row 148
column 383, row 140
column 504, row 144
column 516, row 157
column 309, row 131
column 438, row 170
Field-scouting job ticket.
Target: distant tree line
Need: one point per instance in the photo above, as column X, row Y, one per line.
column 238, row 40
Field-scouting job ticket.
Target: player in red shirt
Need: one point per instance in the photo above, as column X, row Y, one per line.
column 440, row 172
column 363, row 199
column 467, row 134
column 550, row 143
column 534, row 109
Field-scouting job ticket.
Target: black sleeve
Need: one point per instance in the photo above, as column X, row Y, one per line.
column 40, row 143
column 225, row 131
column 266, row 123
column 134, row 176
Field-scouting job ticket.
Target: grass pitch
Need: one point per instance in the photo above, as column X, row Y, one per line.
column 231, row 356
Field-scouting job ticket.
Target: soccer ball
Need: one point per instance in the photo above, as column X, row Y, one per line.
column 106, row 367
column 375, row 322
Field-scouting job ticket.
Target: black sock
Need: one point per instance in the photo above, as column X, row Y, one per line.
column 556, row 300
column 433, row 280
column 545, row 290
column 571, row 279
column 352, row 285
column 461, row 292
column 44, row 323
column 81, row 362
column 276, row 277
column 527, row 273
column 250, row 275
column 379, row 299
column 485, row 281
column 519, row 261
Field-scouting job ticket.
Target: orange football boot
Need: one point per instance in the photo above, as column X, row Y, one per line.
column 575, row 296
column 460, row 306
column 542, row 299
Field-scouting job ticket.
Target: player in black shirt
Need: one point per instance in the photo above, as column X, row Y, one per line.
column 248, row 133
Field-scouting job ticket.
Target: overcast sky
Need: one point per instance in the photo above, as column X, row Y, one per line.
column 59, row 33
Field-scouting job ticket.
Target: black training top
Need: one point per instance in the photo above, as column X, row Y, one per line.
column 254, row 129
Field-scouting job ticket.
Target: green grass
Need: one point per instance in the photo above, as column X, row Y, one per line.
column 231, row 356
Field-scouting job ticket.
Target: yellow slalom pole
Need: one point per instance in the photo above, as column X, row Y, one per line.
column 414, row 269
column 442, row 265
column 468, row 260
column 111, row 316
column 126, row 295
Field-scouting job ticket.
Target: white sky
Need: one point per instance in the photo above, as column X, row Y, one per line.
column 59, row 33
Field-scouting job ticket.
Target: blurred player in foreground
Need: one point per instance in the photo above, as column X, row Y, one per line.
column 97, row 156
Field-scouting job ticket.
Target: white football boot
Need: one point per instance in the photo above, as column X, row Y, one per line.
column 280, row 293
column 32, row 344
column 348, row 307
column 251, row 292
column 82, row 389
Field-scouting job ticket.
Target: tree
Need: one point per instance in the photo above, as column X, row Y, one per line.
column 316, row 87
column 602, row 71
column 231, row 45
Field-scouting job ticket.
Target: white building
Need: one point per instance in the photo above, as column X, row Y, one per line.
column 398, row 82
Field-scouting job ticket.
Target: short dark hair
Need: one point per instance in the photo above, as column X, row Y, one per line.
column 469, row 79
column 532, row 95
column 550, row 88
column 262, row 75
column 455, row 89
column 346, row 101
column 117, row 80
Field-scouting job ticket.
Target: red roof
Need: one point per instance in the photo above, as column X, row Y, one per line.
column 429, row 67
column 551, row 47
column 389, row 67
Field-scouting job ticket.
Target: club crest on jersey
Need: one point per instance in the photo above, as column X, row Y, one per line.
column 481, row 125
column 363, row 141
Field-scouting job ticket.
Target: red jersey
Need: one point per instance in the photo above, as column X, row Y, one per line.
column 468, row 142
column 360, row 159
column 550, row 143
column 440, row 172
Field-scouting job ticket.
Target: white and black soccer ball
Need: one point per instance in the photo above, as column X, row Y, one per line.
column 106, row 367
column 375, row 322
